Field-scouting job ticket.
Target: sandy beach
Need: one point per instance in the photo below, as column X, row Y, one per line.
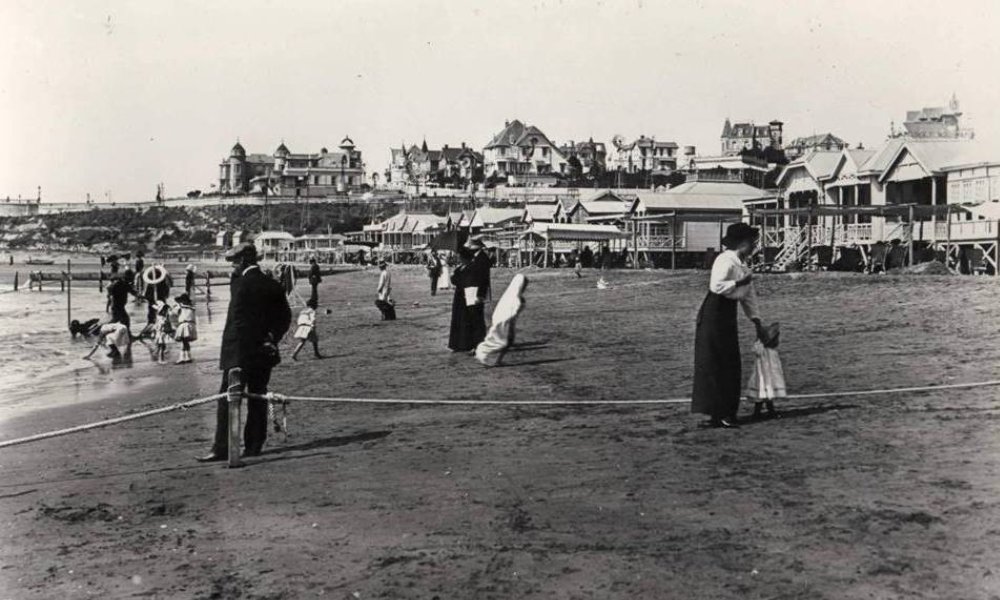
column 887, row 496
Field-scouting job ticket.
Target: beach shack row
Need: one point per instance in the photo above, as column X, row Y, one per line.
column 934, row 199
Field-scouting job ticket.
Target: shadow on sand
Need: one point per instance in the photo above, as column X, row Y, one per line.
column 330, row 442
column 795, row 413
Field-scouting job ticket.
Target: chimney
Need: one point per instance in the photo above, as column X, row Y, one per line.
column 463, row 145
column 445, row 147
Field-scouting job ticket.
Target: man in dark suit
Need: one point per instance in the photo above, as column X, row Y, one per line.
column 258, row 318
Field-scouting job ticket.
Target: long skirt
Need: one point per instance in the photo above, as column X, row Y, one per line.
column 468, row 324
column 717, row 369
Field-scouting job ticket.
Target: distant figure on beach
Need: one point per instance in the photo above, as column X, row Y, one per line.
column 187, row 326
column 502, row 331
column 189, row 272
column 434, row 271
column 306, row 330
column 140, row 266
column 578, row 267
column 162, row 331
column 717, row 366
column 117, row 339
column 258, row 317
column 468, row 309
column 383, row 298
column 314, row 280
column 118, row 292
column 87, row 329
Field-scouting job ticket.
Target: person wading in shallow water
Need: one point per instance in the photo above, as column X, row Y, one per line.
column 258, row 317
column 717, row 368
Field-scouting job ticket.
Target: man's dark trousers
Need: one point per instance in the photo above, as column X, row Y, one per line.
column 255, row 432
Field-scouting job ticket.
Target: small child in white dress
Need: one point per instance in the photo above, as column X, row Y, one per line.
column 306, row 330
column 162, row 331
column 767, row 380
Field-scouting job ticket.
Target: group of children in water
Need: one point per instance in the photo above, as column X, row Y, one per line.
column 176, row 321
column 173, row 321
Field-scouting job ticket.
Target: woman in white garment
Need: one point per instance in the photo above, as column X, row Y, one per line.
column 501, row 334
column 717, row 367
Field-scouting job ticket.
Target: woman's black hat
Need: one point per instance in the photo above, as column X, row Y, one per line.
column 738, row 232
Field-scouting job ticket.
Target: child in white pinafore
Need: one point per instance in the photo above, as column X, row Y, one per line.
column 162, row 331
column 767, row 380
column 187, row 326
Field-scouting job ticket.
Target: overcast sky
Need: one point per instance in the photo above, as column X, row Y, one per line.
column 108, row 95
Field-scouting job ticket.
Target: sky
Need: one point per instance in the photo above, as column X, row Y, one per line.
column 113, row 97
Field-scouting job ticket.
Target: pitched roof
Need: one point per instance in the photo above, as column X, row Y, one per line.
column 539, row 211
column 820, row 164
column 488, row 215
column 818, row 139
column 508, row 136
column 702, row 195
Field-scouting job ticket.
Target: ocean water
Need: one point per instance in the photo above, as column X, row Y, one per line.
column 40, row 362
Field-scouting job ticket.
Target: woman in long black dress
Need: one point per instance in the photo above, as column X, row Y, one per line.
column 717, row 369
column 468, row 321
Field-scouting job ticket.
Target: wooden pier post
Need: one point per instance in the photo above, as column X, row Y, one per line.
column 100, row 280
column 673, row 242
column 69, row 291
column 947, row 239
column 17, row 276
column 910, row 251
column 234, row 397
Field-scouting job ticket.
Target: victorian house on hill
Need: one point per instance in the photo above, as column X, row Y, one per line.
column 523, row 155
column 288, row 174
column 592, row 155
column 643, row 155
column 737, row 137
column 421, row 165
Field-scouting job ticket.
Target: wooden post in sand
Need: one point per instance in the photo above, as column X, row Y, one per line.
column 910, row 249
column 69, row 291
column 234, row 396
column 17, row 276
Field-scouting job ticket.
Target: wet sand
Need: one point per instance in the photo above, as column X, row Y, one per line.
column 890, row 496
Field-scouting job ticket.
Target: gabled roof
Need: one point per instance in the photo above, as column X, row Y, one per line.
column 820, row 164
column 488, row 216
column 818, row 139
column 936, row 155
column 409, row 222
column 701, row 195
column 508, row 136
column 539, row 212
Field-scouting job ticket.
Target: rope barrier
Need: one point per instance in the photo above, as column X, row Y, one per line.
column 283, row 398
column 114, row 421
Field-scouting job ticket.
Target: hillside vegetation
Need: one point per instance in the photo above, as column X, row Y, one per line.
column 162, row 228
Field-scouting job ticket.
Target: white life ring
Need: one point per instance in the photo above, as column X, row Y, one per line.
column 154, row 274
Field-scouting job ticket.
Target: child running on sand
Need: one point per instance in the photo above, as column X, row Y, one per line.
column 162, row 331
column 306, row 330
column 187, row 326
column 767, row 381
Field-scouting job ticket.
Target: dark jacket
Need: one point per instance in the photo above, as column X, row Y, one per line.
column 258, row 313
column 478, row 274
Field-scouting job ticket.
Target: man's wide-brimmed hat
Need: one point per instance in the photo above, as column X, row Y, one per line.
column 245, row 249
column 191, row 267
column 738, row 232
column 474, row 242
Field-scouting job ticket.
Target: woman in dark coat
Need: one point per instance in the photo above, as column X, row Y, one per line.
column 468, row 322
column 717, row 369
